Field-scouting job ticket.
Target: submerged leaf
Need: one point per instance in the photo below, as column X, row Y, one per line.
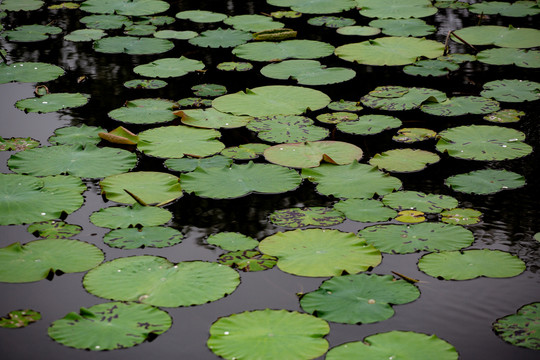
column 522, row 328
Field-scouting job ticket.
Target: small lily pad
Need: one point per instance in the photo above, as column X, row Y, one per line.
column 147, row 236
column 412, row 135
column 253, row 22
column 85, row 35
column 307, row 72
column 54, row 229
column 232, row 241
column 169, row 67
column 145, row 84
column 311, row 153
column 415, row 200
column 52, row 102
column 234, row 66
column 461, row 216
column 516, row 9
column 337, row 117
column 331, row 21
column 316, row 6
column 404, row 160
column 21, row 5
column 430, row 68
column 358, row 30
column 76, row 135
column 248, row 260
column 19, row 318
column 522, row 328
column 410, row 216
column 245, row 151
column 398, row 98
column 190, row 164
column 369, row 124
column 365, row 210
column 17, row 144
column 499, row 36
column 221, row 38
column 104, row 22
column 484, row 182
column 403, row 27
column 195, row 102
column 344, row 105
column 286, row 129
column 209, row 90
column 201, row 16
column 505, row 116
column 288, row 49
column 128, row 216
column 132, row 45
column 31, row 33
column 175, row 34
column 309, row 216
column 512, row 90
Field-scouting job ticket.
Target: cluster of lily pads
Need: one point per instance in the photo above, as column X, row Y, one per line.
column 296, row 126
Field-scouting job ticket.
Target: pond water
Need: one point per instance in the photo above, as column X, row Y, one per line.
column 460, row 312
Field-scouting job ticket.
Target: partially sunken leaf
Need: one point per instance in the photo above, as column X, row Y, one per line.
column 253, row 23
column 512, row 90
column 470, row 264
column 365, row 210
column 311, row 153
column 52, row 102
column 412, row 135
column 54, row 229
column 288, row 49
column 127, row 216
column 183, row 284
column 109, row 326
column 397, row 9
column 270, row 334
column 232, row 241
column 144, row 111
column 316, row 6
column 404, row 160
column 500, row 36
column 396, row 98
column 40, row 259
column 247, row 260
column 461, row 105
column 484, row 182
column 505, row 116
column 125, row 7
column 461, row 216
column 286, row 129
column 76, row 135
column 403, row 27
column 201, row 16
column 369, row 124
column 415, row 200
column 19, row 318
column 190, row 164
column 359, row 298
column 147, row 236
column 29, row 72
column 522, row 328
column 212, row 119
column 17, row 144
column 506, row 56
column 309, row 216
column 221, row 38
column 307, row 72
column 169, row 67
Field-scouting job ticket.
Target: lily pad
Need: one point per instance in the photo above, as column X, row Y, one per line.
column 169, row 67
column 509, row 56
column 522, row 328
column 430, row 68
column 404, row 160
column 307, row 72
column 331, row 21
column 247, row 260
column 500, row 36
column 212, row 119
column 484, row 182
column 369, row 124
column 396, row 98
column 132, row 45
column 103, row 22
column 358, row 30
column 234, row 66
column 461, row 105
column 316, row 6
column 311, row 153
column 52, row 102
column 110, row 326
column 359, row 298
column 403, row 27
column 125, row 7
column 149, row 84
column 516, row 9
column 54, row 229
column 337, row 117
column 31, row 33
column 505, row 116
column 397, row 9
column 461, row 216
column 269, row 334
column 190, row 164
column 85, row 35
column 415, row 200
column 412, row 135
column 512, row 90
column 127, row 216
column 410, row 216
column 147, row 236
column 201, row 16
column 405, row 239
column 343, row 105
column 232, row 241
column 156, row 281
column 76, row 135
column 175, row 34
column 19, row 318
column 288, row 49
column 320, row 253
column 40, row 259
column 253, row 22
column 309, row 216
column 240, row 180
column 209, row 90
column 221, row 38
column 245, row 151
column 365, row 210
column 17, row 144
column 29, row 72
column 286, row 129
column 470, row 264
column 21, row 5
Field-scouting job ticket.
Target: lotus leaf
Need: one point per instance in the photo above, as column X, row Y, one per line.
column 484, row 182
column 240, row 180
column 234, row 66
column 516, row 9
column 509, row 56
column 307, row 72
column 148, row 186
column 505, row 116
column 430, row 68
column 41, row 259
column 522, row 328
column 369, row 124
column 109, row 326
column 286, row 129
column 461, row 216
column 145, row 84
column 247, row 260
column 359, row 298
column 412, row 135
column 169, row 67
column 20, row 5
column 28, row 199
column 300, row 217
column 351, row 181
column 232, row 241
column 271, row 334
column 223, row 38
column 156, row 281
column 396, row 98
column 52, row 102
column 132, row 45
column 470, row 264
column 429, row 236
column 190, row 164
column 140, row 29
column 253, row 23
column 245, row 151
column 358, row 30
column 310, row 154
column 512, row 90
column 390, row 51
column 336, row 117
column 29, row 72
column 19, row 318
column 104, row 22
column 288, row 49
column 343, row 105
column 17, row 144
column 410, row 216
column 76, row 135
column 209, row 90
column 174, row 34
column 405, row 344
column 148, row 236
column 120, row 135
column 125, row 7
column 404, row 160
column 316, row 6
column 201, row 16
column 126, row 216
column 211, row 119
column 500, row 36
column 179, row 141
column 31, row 33
column 397, row 9
column 415, row 200
column 403, row 27
column 483, row 142
column 54, row 229
column 331, row 21
column 320, row 253
column 272, row 100
column 365, row 210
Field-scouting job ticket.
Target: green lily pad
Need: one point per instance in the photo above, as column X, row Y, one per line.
column 410, row 216
column 85, row 35
column 316, row 6
column 412, row 135
column 195, row 102
column 212, row 119
column 28, row 199
column 396, row 98
column 40, row 259
column 484, row 182
column 390, row 51
column 209, row 90
column 240, row 180
column 365, row 210
column 29, row 72
column 232, row 241
column 408, row 344
column 286, row 129
column 110, row 326
column 461, row 105
column 272, row 100
column 343, row 105
column 331, row 21
column 430, row 68
column 149, row 84
column 509, row 56
column 415, row 200
column 245, row 151
column 31, row 33
column 147, row 236
column 156, row 281
column 522, row 328
column 512, row 90
column 54, row 229
column 351, row 181
column 52, row 102
column 359, row 298
column 247, row 260
column 307, row 72
column 289, row 14
column 461, row 216
column 483, row 142
column 221, row 38
column 139, row 30
column 337, row 117
column 320, row 253
column 19, row 318
column 288, row 49
column 404, row 160
column 234, row 66
column 76, row 135
column 17, row 144
column 358, row 30
column 179, row 141
column 169, row 67
column 311, row 153
column 175, row 34
column 128, row 216
column 190, row 164
column 500, row 36
column 104, row 22
column 428, row 236
column 269, row 334
column 403, row 27
column 505, row 116
column 309, row 216
column 132, row 45
column 516, row 9
column 470, row 264
column 201, row 16
column 21, row 5
column 148, row 186
column 397, row 9
column 369, row 124
column 253, row 23
column 125, row 7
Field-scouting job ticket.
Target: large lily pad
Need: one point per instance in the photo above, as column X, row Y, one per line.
column 470, row 264
column 125, row 7
column 147, row 236
column 522, row 328
column 212, row 119
column 132, row 45
column 221, row 38
column 145, row 111
column 307, row 72
column 109, row 326
column 461, row 105
column 116, row 217
column 29, row 72
column 300, row 217
column 156, row 281
column 316, row 6
column 312, row 153
column 288, row 49
column 415, row 200
column 271, row 334
column 404, row 160
column 509, row 56
column 365, row 210
column 286, row 129
column 359, row 298
column 319, row 253
column 52, row 102
column 397, row 9
column 369, row 124
column 169, row 67
column 500, row 36
column 40, row 259
column 396, row 98
column 404, row 239
column 487, row 181
column 512, row 90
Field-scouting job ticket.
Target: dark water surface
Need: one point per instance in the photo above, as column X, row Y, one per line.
column 460, row 312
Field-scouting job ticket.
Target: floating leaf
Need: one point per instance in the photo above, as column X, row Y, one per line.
column 311, row 153
column 29, row 72
column 516, row 9
column 104, row 22
column 190, row 164
column 415, row 200
column 120, row 135
column 470, row 264
column 286, row 14
column 403, row 27
column 484, row 182
column 54, row 229
column 320, row 253
column 169, row 67
column 505, row 116
column 136, row 278
column 19, row 318
column 430, row 68
column 65, row 5
column 247, row 260
column 245, row 151
column 126, row 216
column 85, row 35
column 76, row 135
column 457, row 58
column 125, row 7
column 288, row 49
column 343, row 105
column 20, row 5
column 52, row 102
column 307, row 72
column 331, row 21
column 17, row 144
column 212, row 119
column 140, row 30
column 132, row 45
column 221, row 38
column 286, row 129
column 309, row 216
column 31, row 33
column 404, row 160
column 234, row 66
column 461, row 105
column 175, row 34
column 461, row 216
column 522, row 328
column 147, row 236
column 365, row 210
column 412, row 135
column 396, row 98
column 505, row 56
column 397, row 9
column 337, row 117
column 201, row 16
column 145, row 84
column 316, row 6
column 512, row 90
column 195, row 102
column 369, row 124
column 500, row 36
column 232, row 241
column 209, row 90
column 410, row 216
column 358, row 30
column 253, row 23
